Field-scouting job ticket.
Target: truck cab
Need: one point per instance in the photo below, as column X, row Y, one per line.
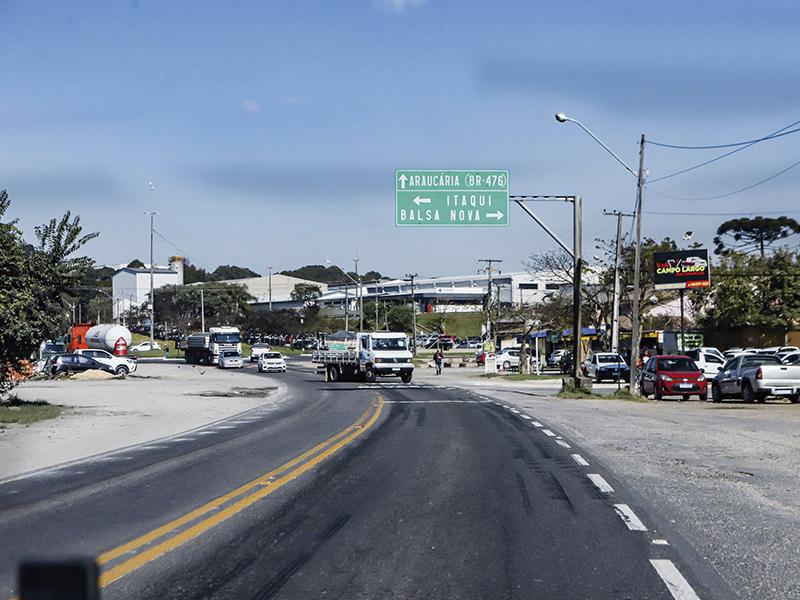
column 384, row 354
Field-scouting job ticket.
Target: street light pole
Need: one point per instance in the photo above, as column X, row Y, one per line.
column 270, row 288
column 360, row 298
column 411, row 277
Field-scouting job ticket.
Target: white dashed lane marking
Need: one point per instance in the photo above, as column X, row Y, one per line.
column 537, row 424
column 672, row 578
column 563, row 444
column 548, row 433
column 661, row 542
column 600, row 483
column 629, row 517
column 580, row 460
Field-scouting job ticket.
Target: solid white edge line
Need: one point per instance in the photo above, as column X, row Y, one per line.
column 563, row 444
column 600, row 483
column 580, row 460
column 548, row 433
column 629, row 517
column 672, row 578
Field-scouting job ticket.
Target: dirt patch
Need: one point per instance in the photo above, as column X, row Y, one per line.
column 237, row 392
column 93, row 375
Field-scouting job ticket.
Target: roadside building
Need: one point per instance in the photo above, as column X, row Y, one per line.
column 130, row 287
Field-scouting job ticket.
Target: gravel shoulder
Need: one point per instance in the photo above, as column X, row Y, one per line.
column 101, row 416
column 725, row 475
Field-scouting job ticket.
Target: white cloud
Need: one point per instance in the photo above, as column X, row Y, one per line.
column 251, row 106
column 398, row 6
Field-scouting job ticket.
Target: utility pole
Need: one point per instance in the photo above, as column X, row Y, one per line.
column 617, row 290
column 270, row 288
column 489, row 262
column 346, row 308
column 360, row 298
column 635, row 329
column 411, row 277
column 202, row 311
column 152, row 214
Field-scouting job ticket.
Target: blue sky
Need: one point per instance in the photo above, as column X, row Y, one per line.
column 272, row 130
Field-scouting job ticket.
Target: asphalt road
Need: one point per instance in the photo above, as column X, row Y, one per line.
column 355, row 491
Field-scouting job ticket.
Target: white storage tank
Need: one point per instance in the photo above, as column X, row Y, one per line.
column 105, row 337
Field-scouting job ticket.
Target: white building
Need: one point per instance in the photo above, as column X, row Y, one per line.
column 460, row 293
column 131, row 286
column 279, row 287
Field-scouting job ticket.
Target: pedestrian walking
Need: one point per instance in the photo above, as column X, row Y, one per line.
column 437, row 360
column 166, row 350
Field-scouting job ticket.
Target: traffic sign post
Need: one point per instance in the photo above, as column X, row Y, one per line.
column 451, row 198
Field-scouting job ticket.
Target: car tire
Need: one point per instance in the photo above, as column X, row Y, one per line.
column 704, row 397
column 747, row 394
column 716, row 393
column 598, row 379
column 657, row 393
column 506, row 366
column 121, row 370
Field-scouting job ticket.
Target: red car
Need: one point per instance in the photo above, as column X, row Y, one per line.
column 673, row 376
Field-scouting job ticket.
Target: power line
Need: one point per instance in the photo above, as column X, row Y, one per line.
column 733, row 193
column 771, row 136
column 181, row 250
column 721, row 214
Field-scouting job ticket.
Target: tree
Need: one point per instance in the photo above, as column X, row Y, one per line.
column 307, row 293
column 400, row 318
column 35, row 278
column 749, row 235
column 192, row 274
column 136, row 264
column 279, row 322
column 179, row 305
column 331, row 274
column 225, row 272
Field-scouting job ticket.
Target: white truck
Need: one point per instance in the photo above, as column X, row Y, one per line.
column 376, row 354
column 204, row 347
column 754, row 377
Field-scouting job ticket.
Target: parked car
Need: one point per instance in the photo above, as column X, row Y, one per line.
column 673, row 376
column 270, row 362
column 122, row 365
column 256, row 350
column 508, row 359
column 555, row 357
column 755, row 377
column 230, row 359
column 145, row 347
column 710, row 350
column 792, row 358
column 708, row 362
column 75, row 363
column 606, row 365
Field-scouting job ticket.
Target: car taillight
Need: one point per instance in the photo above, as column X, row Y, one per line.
column 759, row 374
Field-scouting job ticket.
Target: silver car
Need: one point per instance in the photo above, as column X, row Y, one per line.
column 230, row 359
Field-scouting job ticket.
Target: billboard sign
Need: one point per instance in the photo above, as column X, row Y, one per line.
column 682, row 269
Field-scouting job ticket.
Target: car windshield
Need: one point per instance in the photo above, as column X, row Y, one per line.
column 609, row 358
column 230, row 354
column 273, row 355
column 397, row 343
column 260, row 346
column 676, row 364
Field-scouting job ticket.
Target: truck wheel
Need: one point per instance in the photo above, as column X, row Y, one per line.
column 121, row 370
column 716, row 393
column 370, row 376
column 747, row 393
column 333, row 373
column 406, row 377
column 794, row 399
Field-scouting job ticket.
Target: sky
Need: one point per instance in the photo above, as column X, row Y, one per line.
column 271, row 130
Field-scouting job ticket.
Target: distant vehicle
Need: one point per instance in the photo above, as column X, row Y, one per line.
column 121, row 365
column 75, row 363
column 230, row 359
column 256, row 350
column 555, row 357
column 673, row 376
column 696, row 261
column 606, row 365
column 792, row 358
column 114, row 338
column 205, row 347
column 710, row 350
column 508, row 359
column 376, row 354
column 708, row 362
column 755, row 378
column 271, row 362
column 145, row 347
column 473, row 341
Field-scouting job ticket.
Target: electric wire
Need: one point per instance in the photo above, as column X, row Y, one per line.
column 771, row 136
column 181, row 250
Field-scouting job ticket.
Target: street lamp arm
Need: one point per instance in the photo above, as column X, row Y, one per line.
column 599, row 141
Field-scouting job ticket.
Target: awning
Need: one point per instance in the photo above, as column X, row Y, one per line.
column 585, row 331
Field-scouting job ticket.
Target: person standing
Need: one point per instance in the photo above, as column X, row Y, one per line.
column 437, row 360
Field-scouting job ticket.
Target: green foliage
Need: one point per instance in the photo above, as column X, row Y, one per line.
column 400, row 318
column 34, row 279
column 136, row 264
column 307, row 293
column 279, row 322
column 192, row 274
column 331, row 274
column 224, row 272
column 179, row 305
column 753, row 235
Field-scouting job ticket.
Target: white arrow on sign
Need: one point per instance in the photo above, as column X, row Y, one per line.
column 495, row 215
column 403, row 180
column 419, row 200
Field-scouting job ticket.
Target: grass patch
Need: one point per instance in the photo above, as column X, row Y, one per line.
column 24, row 413
column 522, row 377
column 457, row 324
column 582, row 394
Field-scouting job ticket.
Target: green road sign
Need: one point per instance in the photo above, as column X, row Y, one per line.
column 451, row 198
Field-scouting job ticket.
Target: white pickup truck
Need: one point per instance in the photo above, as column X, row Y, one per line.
column 122, row 365
column 377, row 354
column 755, row 377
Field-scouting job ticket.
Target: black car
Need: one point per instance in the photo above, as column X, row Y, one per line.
column 76, row 363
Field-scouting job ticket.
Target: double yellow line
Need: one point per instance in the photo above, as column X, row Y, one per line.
column 250, row 493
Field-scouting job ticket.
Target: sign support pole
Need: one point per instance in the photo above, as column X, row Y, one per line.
column 683, row 332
